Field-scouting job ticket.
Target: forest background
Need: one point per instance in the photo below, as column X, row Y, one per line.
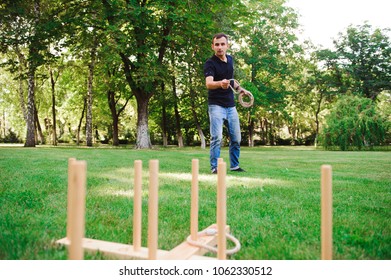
column 131, row 72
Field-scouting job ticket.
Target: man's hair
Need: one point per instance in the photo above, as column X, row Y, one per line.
column 219, row 35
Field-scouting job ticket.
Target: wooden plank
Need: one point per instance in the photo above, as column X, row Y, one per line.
column 183, row 251
column 113, row 249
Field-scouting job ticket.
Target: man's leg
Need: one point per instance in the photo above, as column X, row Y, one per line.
column 216, row 119
column 235, row 137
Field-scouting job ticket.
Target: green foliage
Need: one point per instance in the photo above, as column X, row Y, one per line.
column 143, row 46
column 354, row 123
column 361, row 63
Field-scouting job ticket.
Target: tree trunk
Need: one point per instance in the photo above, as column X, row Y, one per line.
column 89, row 107
column 91, row 67
column 178, row 127
column 32, row 67
column 263, row 130
column 113, row 107
column 250, row 130
column 266, row 131
column 22, row 66
column 89, row 118
column 143, row 140
column 115, row 131
column 177, row 115
column 114, row 116
column 80, row 122
column 164, row 126
column 39, row 132
column 195, row 117
column 30, row 137
column 21, row 99
column 271, row 134
column 53, row 83
column 164, row 121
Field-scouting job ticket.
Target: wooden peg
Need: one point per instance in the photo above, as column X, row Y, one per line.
column 194, row 200
column 77, row 219
column 137, row 205
column 153, row 209
column 221, row 210
column 326, row 213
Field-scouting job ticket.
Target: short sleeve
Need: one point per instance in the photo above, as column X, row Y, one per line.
column 209, row 69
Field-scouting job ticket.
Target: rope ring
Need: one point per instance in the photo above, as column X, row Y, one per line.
column 211, row 248
column 249, row 95
column 243, row 93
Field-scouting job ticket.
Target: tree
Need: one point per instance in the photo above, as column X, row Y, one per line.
column 354, row 123
column 117, row 92
column 144, row 30
column 143, row 35
column 315, row 93
column 269, row 47
column 31, row 26
column 362, row 61
column 84, row 37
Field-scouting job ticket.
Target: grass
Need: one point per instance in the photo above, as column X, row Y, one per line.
column 273, row 208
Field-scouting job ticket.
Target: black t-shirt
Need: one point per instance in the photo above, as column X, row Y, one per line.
column 220, row 70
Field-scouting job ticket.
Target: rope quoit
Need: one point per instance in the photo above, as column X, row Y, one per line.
column 209, row 232
column 243, row 93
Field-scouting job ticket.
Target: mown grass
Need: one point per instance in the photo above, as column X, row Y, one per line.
column 273, row 208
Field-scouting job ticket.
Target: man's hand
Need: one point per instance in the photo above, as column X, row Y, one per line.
column 225, row 83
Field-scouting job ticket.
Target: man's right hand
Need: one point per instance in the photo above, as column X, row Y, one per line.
column 225, row 83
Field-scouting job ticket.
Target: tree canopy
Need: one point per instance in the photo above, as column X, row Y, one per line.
column 104, row 71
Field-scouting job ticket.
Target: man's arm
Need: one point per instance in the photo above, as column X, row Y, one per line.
column 210, row 84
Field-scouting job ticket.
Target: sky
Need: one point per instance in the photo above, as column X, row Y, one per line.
column 322, row 20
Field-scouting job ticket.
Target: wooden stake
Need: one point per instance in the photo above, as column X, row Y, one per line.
column 194, row 200
column 137, row 205
column 153, row 209
column 326, row 213
column 77, row 219
column 69, row 201
column 221, row 210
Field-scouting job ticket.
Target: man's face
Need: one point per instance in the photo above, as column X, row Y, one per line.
column 220, row 47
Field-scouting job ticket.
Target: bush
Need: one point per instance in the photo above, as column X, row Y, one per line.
column 354, row 123
column 11, row 137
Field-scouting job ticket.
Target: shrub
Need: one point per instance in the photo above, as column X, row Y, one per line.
column 11, row 137
column 354, row 123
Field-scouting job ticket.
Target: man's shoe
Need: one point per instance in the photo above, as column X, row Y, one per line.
column 238, row 170
column 214, row 171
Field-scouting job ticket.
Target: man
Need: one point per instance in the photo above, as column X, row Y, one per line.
column 218, row 71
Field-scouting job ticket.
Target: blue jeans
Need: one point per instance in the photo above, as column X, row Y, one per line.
column 218, row 116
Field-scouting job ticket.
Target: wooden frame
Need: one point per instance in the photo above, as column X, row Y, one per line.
column 76, row 242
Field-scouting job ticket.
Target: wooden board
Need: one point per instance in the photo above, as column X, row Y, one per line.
column 113, row 249
column 126, row 252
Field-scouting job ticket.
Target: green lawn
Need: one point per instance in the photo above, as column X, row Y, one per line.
column 273, row 208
